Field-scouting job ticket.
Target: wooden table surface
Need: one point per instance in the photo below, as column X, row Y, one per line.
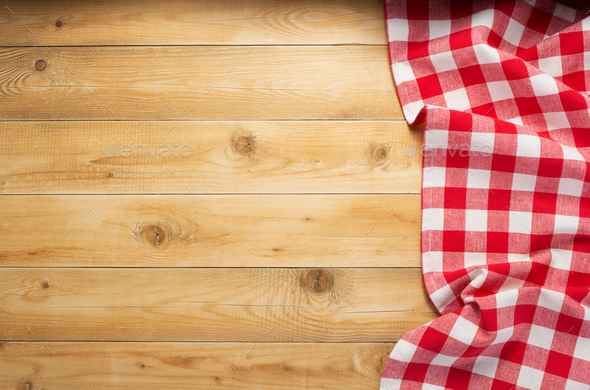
column 207, row 194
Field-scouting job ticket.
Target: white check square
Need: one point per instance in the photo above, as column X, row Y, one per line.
column 471, row 259
column 561, row 259
column 437, row 139
column 398, row 30
column 457, row 99
column 439, row 28
column 573, row 385
column 442, row 297
column 443, row 62
column 551, row 66
column 444, row 360
column 464, row 330
column 432, row 262
column 486, row 366
column 478, row 178
column 571, row 187
column 433, row 219
column 570, row 153
column 511, row 283
column 482, row 144
column 582, row 350
column 403, row 351
column 551, row 300
column 476, row 220
column 503, row 335
column 402, row 72
column 543, row 85
column 530, row 378
column 520, row 222
column 565, row 12
column 500, row 90
column 434, row 177
column 528, row 146
column 556, row 120
column 411, row 110
column 506, row 298
column 522, row 182
column 390, row 384
column 566, row 224
column 483, row 18
column 516, row 120
column 486, row 54
column 541, row 337
column 478, row 277
column 518, row 257
column 513, row 32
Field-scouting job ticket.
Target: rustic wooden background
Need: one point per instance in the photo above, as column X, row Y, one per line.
column 284, row 253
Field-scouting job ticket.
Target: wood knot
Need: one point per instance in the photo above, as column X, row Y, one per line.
column 317, row 280
column 142, row 365
column 29, row 386
column 111, row 174
column 155, row 235
column 40, row 65
column 378, row 154
column 58, row 23
column 45, row 285
column 160, row 232
column 244, row 145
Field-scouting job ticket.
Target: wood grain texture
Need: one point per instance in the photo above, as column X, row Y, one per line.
column 211, row 231
column 140, row 271
column 177, row 22
column 204, row 83
column 254, row 305
column 165, row 366
column 216, row 157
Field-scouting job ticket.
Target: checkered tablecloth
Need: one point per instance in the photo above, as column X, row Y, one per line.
column 501, row 88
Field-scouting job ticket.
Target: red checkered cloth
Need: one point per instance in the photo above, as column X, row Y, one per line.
column 501, row 87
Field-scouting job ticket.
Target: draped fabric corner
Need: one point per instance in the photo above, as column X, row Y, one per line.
column 501, row 88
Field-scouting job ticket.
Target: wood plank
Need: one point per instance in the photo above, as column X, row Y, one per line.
column 168, row 366
column 177, row 22
column 196, row 304
column 205, row 83
column 219, row 157
column 211, row 231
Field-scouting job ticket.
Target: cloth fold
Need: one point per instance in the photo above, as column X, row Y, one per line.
column 502, row 90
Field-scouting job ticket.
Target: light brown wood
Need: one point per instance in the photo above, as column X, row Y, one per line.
column 211, row 231
column 255, row 305
column 165, row 366
column 204, row 83
column 177, row 22
column 132, row 272
column 216, row 157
